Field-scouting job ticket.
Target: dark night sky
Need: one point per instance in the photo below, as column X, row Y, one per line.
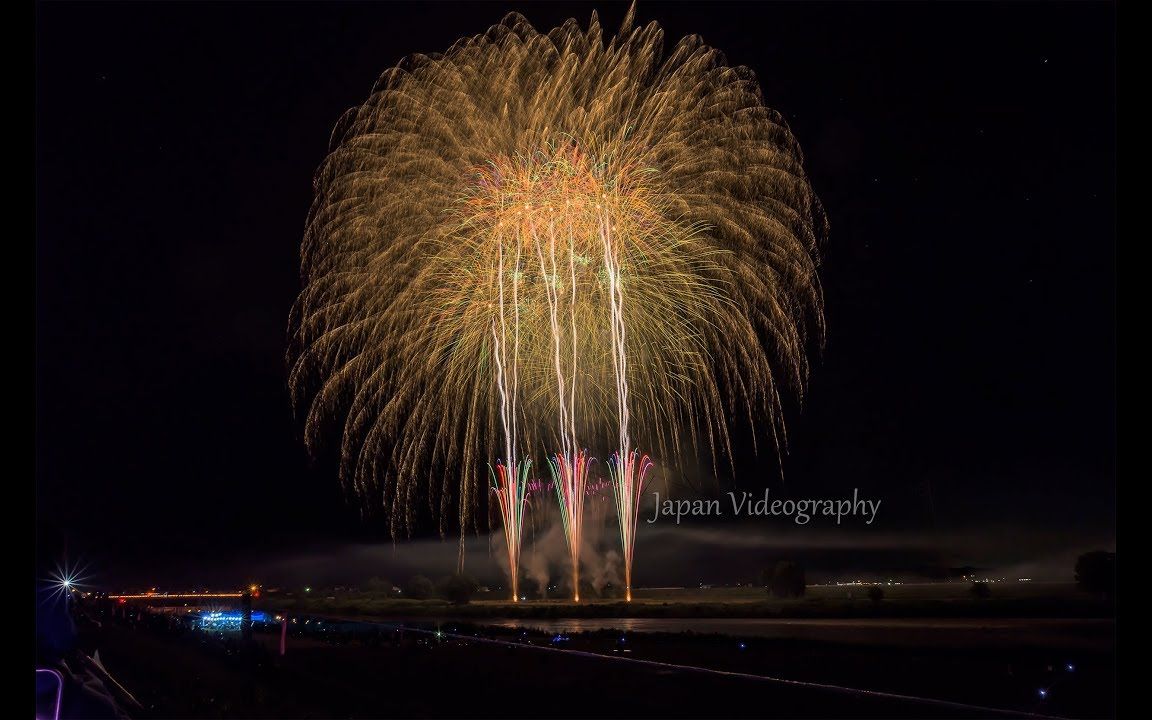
column 965, row 153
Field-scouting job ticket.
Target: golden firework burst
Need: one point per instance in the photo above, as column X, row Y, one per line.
column 542, row 240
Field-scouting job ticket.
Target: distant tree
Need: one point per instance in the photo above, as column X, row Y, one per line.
column 1096, row 572
column 379, row 586
column 981, row 590
column 875, row 593
column 420, row 588
column 457, row 589
column 787, row 580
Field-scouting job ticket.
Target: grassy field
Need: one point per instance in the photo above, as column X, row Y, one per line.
column 895, row 592
column 357, row 670
column 820, row 601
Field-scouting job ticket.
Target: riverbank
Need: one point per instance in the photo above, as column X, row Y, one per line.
column 928, row 600
column 341, row 668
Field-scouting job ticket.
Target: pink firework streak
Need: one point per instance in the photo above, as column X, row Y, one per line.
column 510, row 487
column 628, row 480
column 570, row 478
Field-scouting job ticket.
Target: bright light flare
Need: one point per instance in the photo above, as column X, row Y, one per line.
column 64, row 582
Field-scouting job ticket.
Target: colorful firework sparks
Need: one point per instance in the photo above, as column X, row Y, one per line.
column 510, row 485
column 597, row 488
column 538, row 488
column 570, row 479
column 628, row 478
column 551, row 240
column 509, row 482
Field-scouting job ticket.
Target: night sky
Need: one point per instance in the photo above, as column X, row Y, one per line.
column 965, row 154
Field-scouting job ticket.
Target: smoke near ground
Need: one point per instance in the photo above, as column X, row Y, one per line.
column 665, row 556
column 545, row 568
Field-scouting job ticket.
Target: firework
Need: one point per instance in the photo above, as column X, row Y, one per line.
column 551, row 240
column 570, row 479
column 509, row 484
column 629, row 472
column 540, row 497
column 599, row 493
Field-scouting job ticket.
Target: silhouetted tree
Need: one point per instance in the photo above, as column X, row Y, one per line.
column 420, row 588
column 458, row 589
column 787, row 580
column 379, row 586
column 1096, row 572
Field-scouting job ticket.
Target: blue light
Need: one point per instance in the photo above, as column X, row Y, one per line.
column 1043, row 693
column 1070, row 667
column 217, row 619
column 743, row 646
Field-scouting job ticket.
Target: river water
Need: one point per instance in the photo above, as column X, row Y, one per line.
column 957, row 632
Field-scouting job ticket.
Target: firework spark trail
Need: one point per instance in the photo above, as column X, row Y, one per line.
column 616, row 321
column 517, row 141
column 509, row 482
column 566, row 415
column 629, row 473
column 570, row 478
column 570, row 465
column 599, row 495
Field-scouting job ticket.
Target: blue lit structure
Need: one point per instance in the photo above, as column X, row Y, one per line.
column 233, row 620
